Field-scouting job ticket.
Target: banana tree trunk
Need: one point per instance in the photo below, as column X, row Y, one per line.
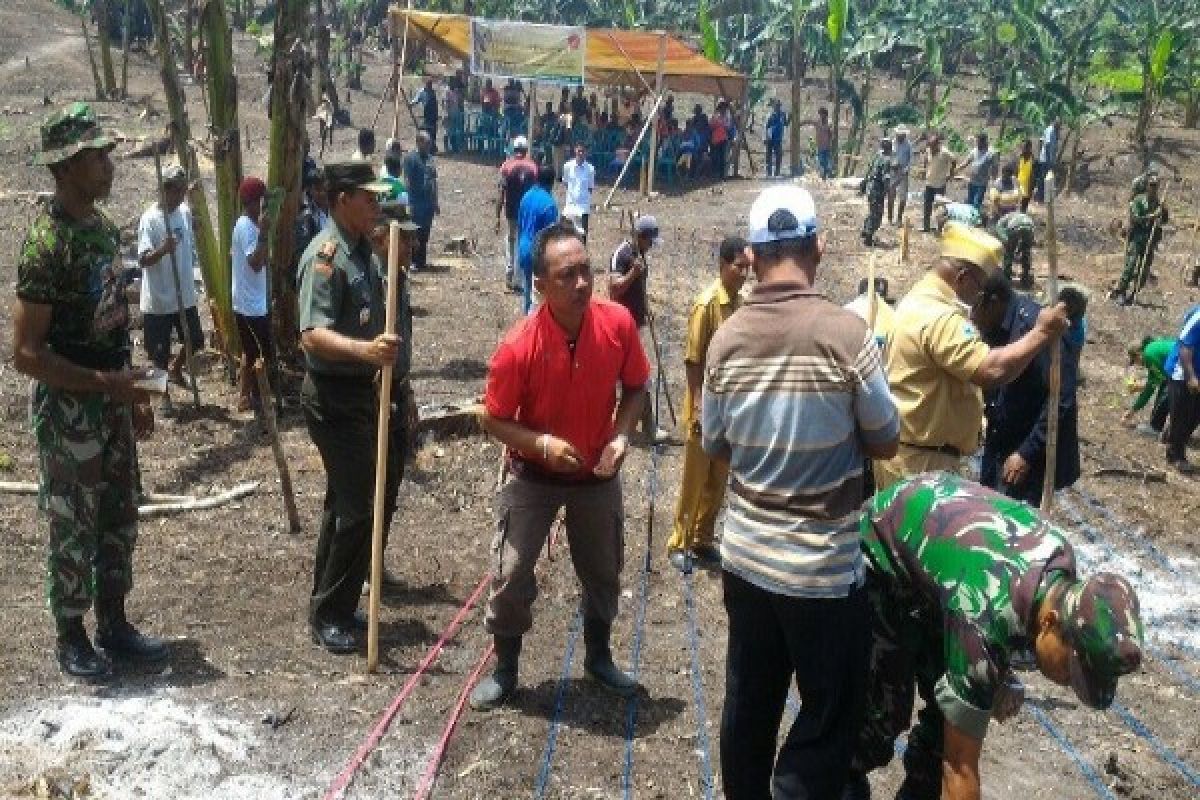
column 324, row 72
column 216, row 273
column 289, row 111
column 106, row 59
column 125, row 49
column 799, row 68
column 223, row 122
column 836, row 80
column 189, row 53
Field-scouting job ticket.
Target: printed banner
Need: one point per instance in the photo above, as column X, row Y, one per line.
column 552, row 53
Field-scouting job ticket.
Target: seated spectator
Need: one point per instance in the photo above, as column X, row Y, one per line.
column 490, row 99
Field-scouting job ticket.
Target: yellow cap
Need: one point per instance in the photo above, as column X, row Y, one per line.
column 973, row 245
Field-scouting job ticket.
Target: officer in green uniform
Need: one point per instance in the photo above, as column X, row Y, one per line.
column 341, row 311
column 959, row 578
column 1147, row 216
column 875, row 185
column 71, row 336
column 1015, row 232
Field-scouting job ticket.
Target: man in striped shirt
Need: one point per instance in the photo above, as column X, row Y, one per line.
column 794, row 399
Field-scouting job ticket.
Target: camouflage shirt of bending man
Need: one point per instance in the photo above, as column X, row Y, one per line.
column 878, row 176
column 980, row 558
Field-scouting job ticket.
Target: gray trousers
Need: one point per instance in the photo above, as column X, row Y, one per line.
column 595, row 522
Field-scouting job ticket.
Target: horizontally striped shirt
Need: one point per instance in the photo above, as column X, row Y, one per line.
column 793, row 385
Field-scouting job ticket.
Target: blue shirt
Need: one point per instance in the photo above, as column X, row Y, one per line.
column 536, row 213
column 420, row 178
column 775, row 125
column 1188, row 337
column 1049, row 145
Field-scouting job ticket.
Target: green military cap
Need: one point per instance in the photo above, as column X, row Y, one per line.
column 69, row 131
column 341, row 176
column 1101, row 618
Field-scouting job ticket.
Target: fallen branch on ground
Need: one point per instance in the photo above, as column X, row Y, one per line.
column 158, row 505
column 1145, row 475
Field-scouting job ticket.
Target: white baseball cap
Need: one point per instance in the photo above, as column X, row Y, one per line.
column 782, row 212
column 520, row 143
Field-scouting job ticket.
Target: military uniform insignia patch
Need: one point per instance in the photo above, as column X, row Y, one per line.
column 324, row 261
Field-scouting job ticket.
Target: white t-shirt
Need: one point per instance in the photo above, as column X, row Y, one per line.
column 249, row 287
column 158, row 288
column 581, row 182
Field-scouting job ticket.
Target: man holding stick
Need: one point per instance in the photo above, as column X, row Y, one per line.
column 552, row 401
column 1147, row 215
column 166, row 243
column 342, row 308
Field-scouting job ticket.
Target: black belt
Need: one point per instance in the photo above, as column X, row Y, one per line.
column 944, row 449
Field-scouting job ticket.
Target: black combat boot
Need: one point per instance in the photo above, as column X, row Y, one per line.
column 857, row 786
column 119, row 638
column 495, row 689
column 598, row 661
column 76, row 656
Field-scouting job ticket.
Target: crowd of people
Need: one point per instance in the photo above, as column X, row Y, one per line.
column 856, row 561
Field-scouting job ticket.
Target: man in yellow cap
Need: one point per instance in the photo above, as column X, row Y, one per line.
column 937, row 365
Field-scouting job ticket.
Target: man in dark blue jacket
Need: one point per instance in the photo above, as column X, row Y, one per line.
column 1014, row 450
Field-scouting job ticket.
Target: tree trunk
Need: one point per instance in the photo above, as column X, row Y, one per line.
column 215, row 271
column 125, row 49
column 87, row 40
column 324, row 72
column 189, row 53
column 931, row 102
column 1191, row 106
column 223, row 123
column 106, row 59
column 799, row 68
column 289, row 111
column 836, row 80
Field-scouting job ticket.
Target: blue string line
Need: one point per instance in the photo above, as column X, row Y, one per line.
column 1085, row 768
column 1168, row 661
column 543, row 778
column 707, row 782
column 1166, row 753
column 1124, row 528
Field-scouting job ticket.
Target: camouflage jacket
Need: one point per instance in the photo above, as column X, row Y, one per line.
column 977, row 559
column 879, row 174
column 75, row 268
column 1013, row 222
column 1141, row 218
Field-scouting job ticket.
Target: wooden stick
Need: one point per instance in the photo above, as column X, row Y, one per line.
column 872, row 297
column 400, row 96
column 157, row 505
column 662, row 375
column 185, row 330
column 1140, row 277
column 1055, row 389
column 285, row 474
column 381, row 453
column 904, row 240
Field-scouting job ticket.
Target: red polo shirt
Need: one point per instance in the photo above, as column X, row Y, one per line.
column 536, row 380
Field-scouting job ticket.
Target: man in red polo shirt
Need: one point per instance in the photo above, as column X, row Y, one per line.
column 551, row 395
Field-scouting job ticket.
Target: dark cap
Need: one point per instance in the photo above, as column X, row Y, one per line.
column 341, row 176
column 394, row 210
column 1101, row 618
column 69, row 131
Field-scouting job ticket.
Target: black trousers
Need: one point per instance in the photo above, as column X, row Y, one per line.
column 774, row 158
column 824, row 645
column 1161, row 409
column 420, row 253
column 341, row 414
column 927, row 207
column 1184, row 416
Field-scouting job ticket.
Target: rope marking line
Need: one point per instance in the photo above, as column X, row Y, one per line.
column 704, row 748
column 543, row 778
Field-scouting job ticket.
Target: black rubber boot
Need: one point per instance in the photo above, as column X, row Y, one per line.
column 857, row 787
column 120, row 639
column 495, row 689
column 76, row 656
column 598, row 661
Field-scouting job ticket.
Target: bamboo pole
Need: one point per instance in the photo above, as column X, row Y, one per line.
column 658, row 92
column 381, row 453
column 285, row 474
column 185, row 331
column 1055, row 389
column 400, row 96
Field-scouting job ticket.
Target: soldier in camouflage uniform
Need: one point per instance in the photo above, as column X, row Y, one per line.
column 1015, row 232
column 71, row 337
column 959, row 578
column 875, row 185
column 1147, row 216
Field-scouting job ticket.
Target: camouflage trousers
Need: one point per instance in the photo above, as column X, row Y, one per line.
column 1020, row 252
column 1139, row 247
column 874, row 218
column 906, row 659
column 88, row 478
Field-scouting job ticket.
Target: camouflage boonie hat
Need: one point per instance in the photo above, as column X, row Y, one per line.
column 69, row 131
column 1101, row 618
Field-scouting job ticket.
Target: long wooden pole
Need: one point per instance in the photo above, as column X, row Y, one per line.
column 285, row 474
column 185, row 331
column 1055, row 390
column 381, row 456
column 400, row 95
column 1140, row 277
column 658, row 92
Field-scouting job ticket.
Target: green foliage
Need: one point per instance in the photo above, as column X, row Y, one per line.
column 901, row 113
column 1118, row 79
column 708, row 34
column 835, row 21
column 1159, row 57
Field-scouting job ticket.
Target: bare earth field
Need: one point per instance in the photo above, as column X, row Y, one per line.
column 250, row 708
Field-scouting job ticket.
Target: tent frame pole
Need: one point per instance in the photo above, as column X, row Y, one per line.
column 658, row 92
column 645, row 126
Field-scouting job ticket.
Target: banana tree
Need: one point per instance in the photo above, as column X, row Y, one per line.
column 1148, row 28
column 836, row 18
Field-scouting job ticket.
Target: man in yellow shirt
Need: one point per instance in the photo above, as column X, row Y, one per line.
column 704, row 477
column 937, row 365
column 1025, row 168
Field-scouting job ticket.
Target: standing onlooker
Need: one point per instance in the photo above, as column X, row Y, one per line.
column 342, row 316
column 981, row 164
column 1026, row 170
column 703, row 483
column 366, row 145
column 939, row 166
column 823, row 140
column 792, row 568
column 627, row 285
column 514, row 105
column 1183, row 391
column 552, row 401
column 456, row 113
column 420, row 180
column 580, row 177
column 166, row 241
column 776, row 123
column 517, row 174
column 1047, row 158
column 249, row 253
column 897, row 194
column 937, row 364
column 538, row 211
column 1014, row 448
column 427, row 99
column 1152, row 353
column 314, row 212
column 580, row 111
column 71, row 336
column 875, row 186
column 489, row 98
